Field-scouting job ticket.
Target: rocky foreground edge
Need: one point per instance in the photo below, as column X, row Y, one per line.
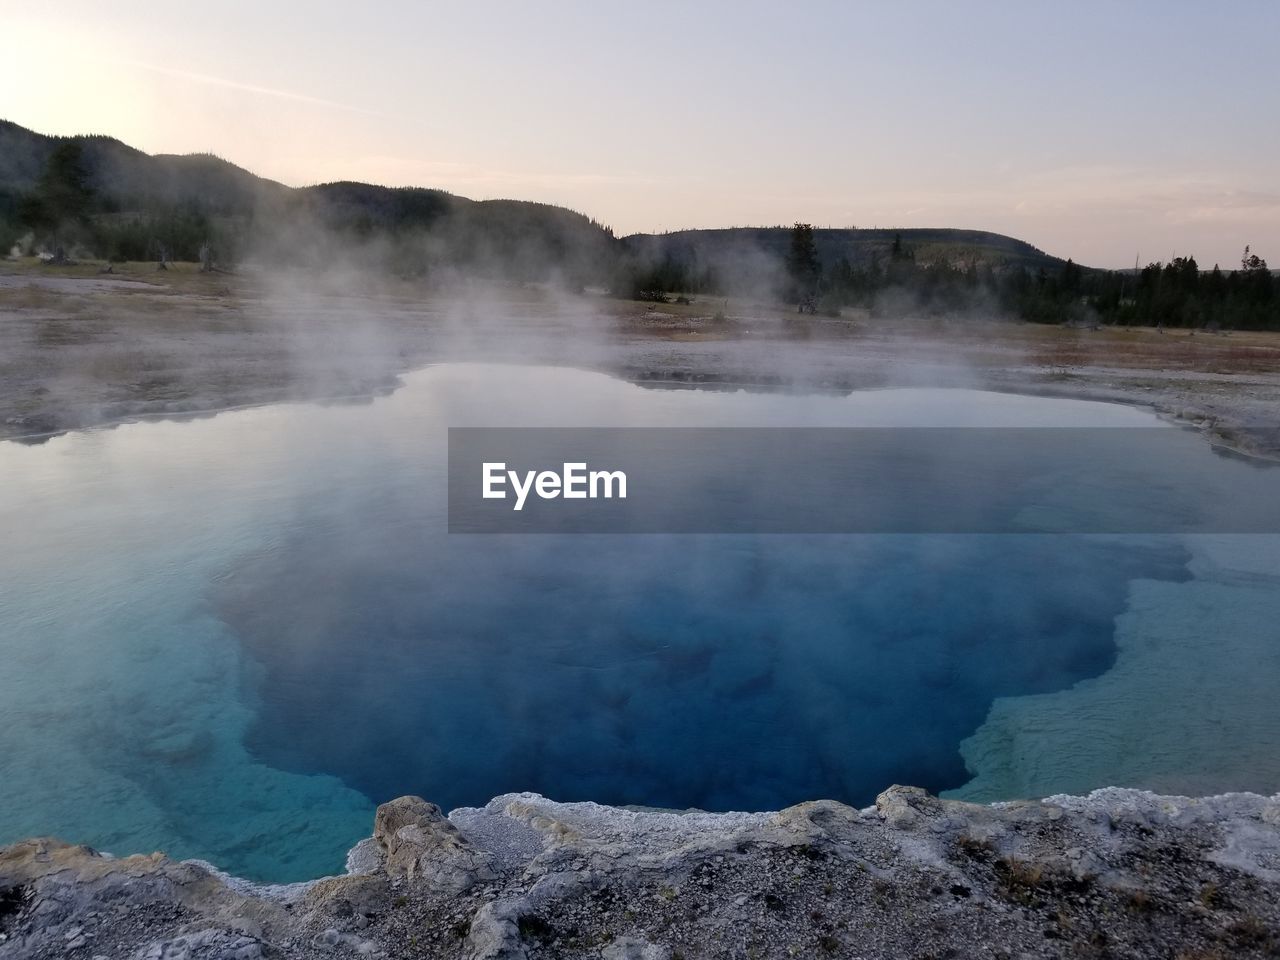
column 1118, row 873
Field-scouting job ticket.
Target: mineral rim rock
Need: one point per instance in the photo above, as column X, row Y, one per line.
column 421, row 843
column 1118, row 873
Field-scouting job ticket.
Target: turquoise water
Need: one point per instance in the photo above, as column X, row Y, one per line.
column 230, row 638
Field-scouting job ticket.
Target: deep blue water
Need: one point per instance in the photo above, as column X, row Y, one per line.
column 230, row 638
column 705, row 671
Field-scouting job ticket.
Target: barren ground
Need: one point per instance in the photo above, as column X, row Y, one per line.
column 80, row 349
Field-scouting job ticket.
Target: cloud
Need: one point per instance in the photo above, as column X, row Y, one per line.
column 245, row 87
column 1081, row 191
column 1230, row 206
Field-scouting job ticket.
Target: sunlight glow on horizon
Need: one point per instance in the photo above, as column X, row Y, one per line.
column 1098, row 132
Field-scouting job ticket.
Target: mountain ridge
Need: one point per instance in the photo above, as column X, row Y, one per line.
column 128, row 178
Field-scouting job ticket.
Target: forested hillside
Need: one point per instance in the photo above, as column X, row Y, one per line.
column 95, row 197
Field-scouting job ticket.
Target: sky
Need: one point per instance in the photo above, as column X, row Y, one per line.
column 1105, row 132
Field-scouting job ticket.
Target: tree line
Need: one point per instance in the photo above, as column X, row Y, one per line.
column 899, row 283
column 1176, row 294
column 208, row 211
column 63, row 213
column 416, row 232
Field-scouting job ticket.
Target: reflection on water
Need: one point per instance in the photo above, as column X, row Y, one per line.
column 229, row 638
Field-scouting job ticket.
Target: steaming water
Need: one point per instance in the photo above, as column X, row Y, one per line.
column 230, row 638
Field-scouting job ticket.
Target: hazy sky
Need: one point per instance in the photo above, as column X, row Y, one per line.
column 1094, row 130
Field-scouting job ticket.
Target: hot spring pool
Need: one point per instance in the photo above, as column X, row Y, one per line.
column 230, row 638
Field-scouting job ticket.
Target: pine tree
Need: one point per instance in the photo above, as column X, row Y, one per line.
column 62, row 196
column 803, row 267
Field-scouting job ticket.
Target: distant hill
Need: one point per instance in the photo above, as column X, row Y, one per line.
column 144, row 203
column 860, row 248
column 183, row 198
column 94, row 196
column 124, row 176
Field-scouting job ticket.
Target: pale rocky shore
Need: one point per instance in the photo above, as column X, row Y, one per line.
column 1117, row 873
